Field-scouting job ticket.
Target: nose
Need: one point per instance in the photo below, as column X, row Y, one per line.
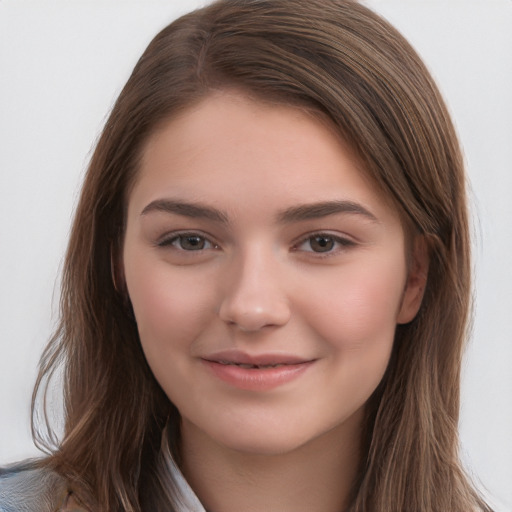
column 254, row 296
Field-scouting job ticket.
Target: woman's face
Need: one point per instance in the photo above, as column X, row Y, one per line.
column 267, row 275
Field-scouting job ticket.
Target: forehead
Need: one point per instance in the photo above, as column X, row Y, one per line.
column 229, row 144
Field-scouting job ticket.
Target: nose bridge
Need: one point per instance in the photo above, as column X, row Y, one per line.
column 255, row 292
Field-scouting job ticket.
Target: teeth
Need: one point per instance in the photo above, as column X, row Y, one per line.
column 251, row 366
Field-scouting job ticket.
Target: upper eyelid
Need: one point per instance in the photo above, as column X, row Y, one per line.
column 327, row 233
column 172, row 235
column 345, row 243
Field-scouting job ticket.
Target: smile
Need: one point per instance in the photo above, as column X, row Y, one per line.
column 256, row 373
column 252, row 366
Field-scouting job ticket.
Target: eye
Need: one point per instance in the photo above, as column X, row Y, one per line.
column 323, row 243
column 188, row 242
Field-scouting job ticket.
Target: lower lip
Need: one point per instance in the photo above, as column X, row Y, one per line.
column 263, row 379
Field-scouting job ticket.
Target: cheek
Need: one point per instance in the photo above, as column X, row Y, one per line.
column 356, row 322
column 358, row 307
column 171, row 307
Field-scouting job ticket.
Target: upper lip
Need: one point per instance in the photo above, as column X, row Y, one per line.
column 239, row 357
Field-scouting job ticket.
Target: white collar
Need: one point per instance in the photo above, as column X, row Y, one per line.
column 189, row 502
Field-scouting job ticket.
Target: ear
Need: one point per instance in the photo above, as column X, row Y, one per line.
column 416, row 281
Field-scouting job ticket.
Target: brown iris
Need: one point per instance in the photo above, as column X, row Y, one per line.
column 321, row 243
column 192, row 242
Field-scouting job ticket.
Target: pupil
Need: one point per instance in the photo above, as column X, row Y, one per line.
column 322, row 243
column 193, row 243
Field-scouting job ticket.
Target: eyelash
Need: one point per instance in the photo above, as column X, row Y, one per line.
column 341, row 243
column 176, row 237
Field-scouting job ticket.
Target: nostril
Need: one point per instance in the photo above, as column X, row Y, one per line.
column 249, row 318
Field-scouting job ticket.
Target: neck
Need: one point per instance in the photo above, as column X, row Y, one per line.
column 318, row 475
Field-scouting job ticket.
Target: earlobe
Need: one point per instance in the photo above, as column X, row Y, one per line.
column 416, row 281
column 117, row 271
column 119, row 281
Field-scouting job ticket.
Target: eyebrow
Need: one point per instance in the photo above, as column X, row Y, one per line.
column 324, row 209
column 192, row 210
column 289, row 215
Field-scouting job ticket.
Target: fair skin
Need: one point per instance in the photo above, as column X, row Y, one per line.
column 267, row 277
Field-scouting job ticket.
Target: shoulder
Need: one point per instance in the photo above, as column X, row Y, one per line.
column 25, row 487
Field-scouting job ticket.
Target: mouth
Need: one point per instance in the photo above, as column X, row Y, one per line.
column 262, row 372
column 254, row 361
column 248, row 366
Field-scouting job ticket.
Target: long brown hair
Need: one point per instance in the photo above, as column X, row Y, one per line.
column 337, row 58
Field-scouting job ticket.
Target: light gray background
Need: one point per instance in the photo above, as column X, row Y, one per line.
column 62, row 64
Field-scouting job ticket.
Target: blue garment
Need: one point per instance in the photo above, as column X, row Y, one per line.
column 26, row 488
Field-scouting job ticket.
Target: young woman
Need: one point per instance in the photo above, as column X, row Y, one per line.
column 266, row 290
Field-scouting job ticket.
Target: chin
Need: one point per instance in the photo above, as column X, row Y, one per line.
column 264, row 445
column 267, row 438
